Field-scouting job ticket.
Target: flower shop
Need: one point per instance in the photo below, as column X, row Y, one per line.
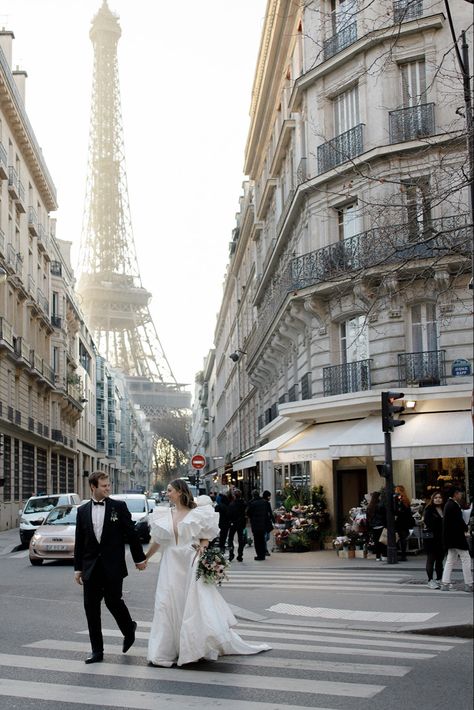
column 301, row 520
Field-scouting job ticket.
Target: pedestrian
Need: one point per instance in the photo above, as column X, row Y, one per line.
column 222, row 507
column 103, row 525
column 237, row 523
column 266, row 495
column 191, row 620
column 377, row 520
column 404, row 520
column 455, row 540
column 257, row 513
column 433, row 539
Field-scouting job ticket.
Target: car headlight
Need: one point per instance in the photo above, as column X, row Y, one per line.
column 24, row 521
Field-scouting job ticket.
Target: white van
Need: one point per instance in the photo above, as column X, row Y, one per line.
column 37, row 509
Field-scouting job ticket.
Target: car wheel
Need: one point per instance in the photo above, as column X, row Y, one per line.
column 36, row 563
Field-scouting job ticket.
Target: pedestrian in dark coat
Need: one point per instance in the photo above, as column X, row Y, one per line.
column 455, row 540
column 377, row 521
column 238, row 521
column 222, row 507
column 433, row 539
column 266, row 495
column 257, row 513
column 403, row 519
column 102, row 528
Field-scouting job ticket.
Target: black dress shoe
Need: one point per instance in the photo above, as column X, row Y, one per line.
column 267, row 554
column 240, row 559
column 129, row 639
column 260, row 559
column 94, row 658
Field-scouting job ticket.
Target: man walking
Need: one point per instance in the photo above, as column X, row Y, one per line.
column 103, row 525
column 455, row 541
column 257, row 513
column 237, row 521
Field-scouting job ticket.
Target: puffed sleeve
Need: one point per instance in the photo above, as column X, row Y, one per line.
column 203, row 522
column 160, row 526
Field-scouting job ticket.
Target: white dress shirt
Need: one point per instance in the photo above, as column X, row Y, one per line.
column 98, row 514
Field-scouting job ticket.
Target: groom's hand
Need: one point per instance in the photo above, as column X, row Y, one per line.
column 78, row 577
column 141, row 565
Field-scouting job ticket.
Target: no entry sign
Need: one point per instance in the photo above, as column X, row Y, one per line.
column 198, row 461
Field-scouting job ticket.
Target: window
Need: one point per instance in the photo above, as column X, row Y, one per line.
column 346, row 110
column 424, row 327
column 418, row 205
column 343, row 13
column 349, row 221
column 354, row 340
column 413, row 83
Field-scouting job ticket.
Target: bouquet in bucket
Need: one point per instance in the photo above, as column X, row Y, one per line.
column 212, row 566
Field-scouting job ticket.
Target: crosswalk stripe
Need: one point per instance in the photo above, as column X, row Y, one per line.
column 312, row 575
column 256, row 584
column 265, row 661
column 316, row 687
column 343, row 650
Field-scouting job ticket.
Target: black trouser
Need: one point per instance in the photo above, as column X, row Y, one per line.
column 223, row 532
column 380, row 549
column 434, row 559
column 239, row 529
column 259, row 542
column 403, row 536
column 99, row 587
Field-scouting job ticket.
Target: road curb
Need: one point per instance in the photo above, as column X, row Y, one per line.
column 464, row 631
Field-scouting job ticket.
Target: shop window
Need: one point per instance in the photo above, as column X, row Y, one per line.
column 439, row 474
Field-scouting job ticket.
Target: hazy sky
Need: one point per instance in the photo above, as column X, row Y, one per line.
column 186, row 74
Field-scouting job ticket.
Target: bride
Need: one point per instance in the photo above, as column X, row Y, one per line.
column 191, row 620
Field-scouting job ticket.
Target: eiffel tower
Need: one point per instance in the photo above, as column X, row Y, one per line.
column 114, row 301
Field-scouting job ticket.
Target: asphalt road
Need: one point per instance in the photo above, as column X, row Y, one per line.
column 317, row 661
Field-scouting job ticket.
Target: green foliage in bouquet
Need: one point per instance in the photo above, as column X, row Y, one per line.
column 299, row 540
column 212, row 566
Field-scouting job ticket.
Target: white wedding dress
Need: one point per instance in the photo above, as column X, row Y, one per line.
column 191, row 619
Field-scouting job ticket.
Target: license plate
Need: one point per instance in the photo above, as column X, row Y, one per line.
column 56, row 548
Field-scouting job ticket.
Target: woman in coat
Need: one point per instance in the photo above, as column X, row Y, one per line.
column 403, row 519
column 377, row 521
column 433, row 539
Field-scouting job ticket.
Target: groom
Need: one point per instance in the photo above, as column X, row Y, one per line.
column 102, row 527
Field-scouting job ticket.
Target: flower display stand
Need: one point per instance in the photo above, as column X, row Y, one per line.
column 346, row 554
column 360, row 553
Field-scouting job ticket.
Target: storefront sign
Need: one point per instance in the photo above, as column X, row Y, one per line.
column 461, row 368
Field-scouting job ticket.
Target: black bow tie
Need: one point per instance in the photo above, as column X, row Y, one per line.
column 98, row 502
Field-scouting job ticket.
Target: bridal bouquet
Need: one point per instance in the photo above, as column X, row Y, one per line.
column 212, row 566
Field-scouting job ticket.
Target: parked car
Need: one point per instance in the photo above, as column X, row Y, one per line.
column 137, row 503
column 54, row 539
column 37, row 509
column 151, row 504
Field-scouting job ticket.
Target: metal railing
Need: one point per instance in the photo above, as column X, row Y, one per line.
column 13, row 179
column 56, row 321
column 31, row 285
column 425, row 368
column 343, row 147
column 56, row 268
column 408, row 124
column 42, row 301
column 339, row 41
column 3, row 155
column 22, row 350
column 2, row 241
column 404, row 10
column 302, row 171
column 349, row 377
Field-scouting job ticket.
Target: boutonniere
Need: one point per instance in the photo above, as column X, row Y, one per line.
column 113, row 516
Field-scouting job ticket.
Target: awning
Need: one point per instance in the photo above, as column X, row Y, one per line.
column 434, row 435
column 428, row 435
column 314, row 443
column 247, row 461
column 269, row 451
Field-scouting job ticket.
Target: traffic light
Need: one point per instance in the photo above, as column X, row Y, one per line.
column 389, row 409
column 383, row 469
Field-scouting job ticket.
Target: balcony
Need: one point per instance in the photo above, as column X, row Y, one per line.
column 43, row 239
column 350, row 377
column 3, row 162
column 32, row 221
column 412, row 123
column 56, row 435
column 404, row 10
column 422, row 369
column 21, row 350
column 340, row 41
column 6, row 334
column 2, row 242
column 13, row 183
column 56, row 268
column 340, row 149
column 56, row 321
column 31, row 286
column 378, row 247
column 42, row 301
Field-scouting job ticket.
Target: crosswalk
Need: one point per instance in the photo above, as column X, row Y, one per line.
column 308, row 666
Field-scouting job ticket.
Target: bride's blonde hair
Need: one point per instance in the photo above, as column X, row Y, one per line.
column 186, row 497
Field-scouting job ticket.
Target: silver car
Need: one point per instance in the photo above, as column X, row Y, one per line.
column 55, row 538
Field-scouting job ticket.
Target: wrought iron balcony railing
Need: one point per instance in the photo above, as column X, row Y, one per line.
column 408, row 124
column 381, row 246
column 425, row 369
column 350, row 377
column 404, row 10
column 56, row 268
column 340, row 41
column 343, row 147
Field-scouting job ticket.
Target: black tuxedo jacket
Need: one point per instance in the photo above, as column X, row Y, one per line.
column 118, row 529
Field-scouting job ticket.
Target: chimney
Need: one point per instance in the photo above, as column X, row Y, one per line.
column 6, row 43
column 19, row 76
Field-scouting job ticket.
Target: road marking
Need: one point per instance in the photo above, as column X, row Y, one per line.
column 327, row 587
column 134, row 700
column 205, row 676
column 343, row 650
column 350, row 614
column 266, row 661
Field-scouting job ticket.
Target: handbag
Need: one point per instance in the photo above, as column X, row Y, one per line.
column 427, row 534
column 383, row 539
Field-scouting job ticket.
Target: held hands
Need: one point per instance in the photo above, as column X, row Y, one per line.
column 78, row 577
column 141, row 565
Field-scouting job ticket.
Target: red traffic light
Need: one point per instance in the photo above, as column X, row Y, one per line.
column 389, row 409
